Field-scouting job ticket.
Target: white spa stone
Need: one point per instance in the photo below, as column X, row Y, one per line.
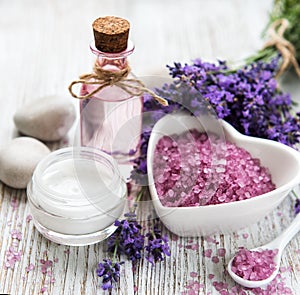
column 18, row 160
column 48, row 118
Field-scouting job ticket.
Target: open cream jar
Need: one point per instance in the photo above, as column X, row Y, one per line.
column 75, row 196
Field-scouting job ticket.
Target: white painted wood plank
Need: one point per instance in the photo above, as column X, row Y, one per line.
column 43, row 46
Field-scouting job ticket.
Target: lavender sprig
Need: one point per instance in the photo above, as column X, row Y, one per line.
column 247, row 98
column 110, row 272
column 127, row 239
column 157, row 247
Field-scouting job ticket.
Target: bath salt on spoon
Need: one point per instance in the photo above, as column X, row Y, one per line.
column 258, row 267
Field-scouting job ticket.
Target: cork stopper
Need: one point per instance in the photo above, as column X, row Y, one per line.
column 111, row 34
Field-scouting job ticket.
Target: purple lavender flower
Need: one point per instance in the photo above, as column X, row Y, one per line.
column 127, row 239
column 247, row 98
column 157, row 246
column 110, row 272
column 297, row 207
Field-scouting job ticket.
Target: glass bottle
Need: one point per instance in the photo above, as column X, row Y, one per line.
column 111, row 119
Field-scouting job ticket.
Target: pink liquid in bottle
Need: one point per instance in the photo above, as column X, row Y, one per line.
column 111, row 120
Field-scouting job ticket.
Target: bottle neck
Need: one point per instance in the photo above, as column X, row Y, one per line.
column 113, row 61
column 112, row 65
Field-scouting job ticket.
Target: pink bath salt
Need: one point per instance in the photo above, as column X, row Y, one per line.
column 193, row 287
column 12, row 257
column 14, row 203
column 28, row 218
column 254, row 265
column 282, row 269
column 215, row 259
column 174, row 238
column 45, row 265
column 197, row 286
column 277, row 286
column 289, row 269
column 30, row 267
column 191, row 169
column 195, row 246
column 223, row 288
column 220, row 286
column 15, row 234
column 207, row 253
column 192, row 247
column 49, row 273
column 221, row 252
column 193, row 274
column 211, row 240
column 44, row 289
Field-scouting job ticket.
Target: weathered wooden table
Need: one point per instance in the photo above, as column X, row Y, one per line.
column 44, row 46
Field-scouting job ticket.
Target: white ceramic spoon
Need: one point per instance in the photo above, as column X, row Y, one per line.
column 279, row 243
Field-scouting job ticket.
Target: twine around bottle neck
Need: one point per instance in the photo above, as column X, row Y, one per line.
column 286, row 48
column 104, row 78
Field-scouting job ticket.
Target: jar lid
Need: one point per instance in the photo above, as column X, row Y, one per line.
column 111, row 34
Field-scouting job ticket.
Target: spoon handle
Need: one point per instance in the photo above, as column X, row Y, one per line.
column 283, row 239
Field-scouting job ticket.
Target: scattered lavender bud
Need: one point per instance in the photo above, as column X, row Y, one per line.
column 297, row 206
column 110, row 272
column 157, row 246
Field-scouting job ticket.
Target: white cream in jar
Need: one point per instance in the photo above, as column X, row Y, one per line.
column 75, row 196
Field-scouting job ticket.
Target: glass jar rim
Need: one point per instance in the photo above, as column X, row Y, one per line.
column 80, row 152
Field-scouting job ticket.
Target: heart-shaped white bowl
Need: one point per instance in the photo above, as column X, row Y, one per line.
column 282, row 161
